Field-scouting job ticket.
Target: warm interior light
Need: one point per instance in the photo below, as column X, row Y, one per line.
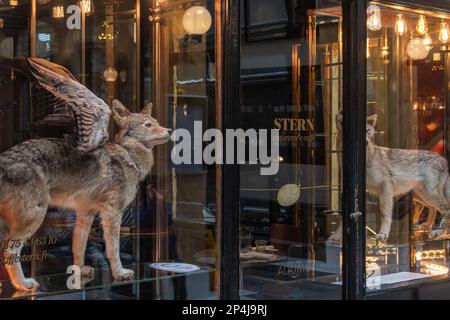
column 14, row 3
column 385, row 49
column 400, row 25
column 58, row 12
column 428, row 41
column 436, row 56
column 374, row 18
column 433, row 269
column 197, row 20
column 384, row 52
column 87, row 6
column 104, row 33
column 417, row 49
column 110, row 74
column 422, row 25
column 368, row 48
column 444, row 32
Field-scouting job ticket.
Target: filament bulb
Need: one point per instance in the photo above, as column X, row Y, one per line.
column 444, row 32
column 400, row 25
column 428, row 41
column 422, row 25
column 374, row 18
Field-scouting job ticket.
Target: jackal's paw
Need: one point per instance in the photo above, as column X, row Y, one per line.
column 124, row 275
column 27, row 284
column 382, row 239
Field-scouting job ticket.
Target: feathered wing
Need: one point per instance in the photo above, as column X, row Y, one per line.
column 91, row 114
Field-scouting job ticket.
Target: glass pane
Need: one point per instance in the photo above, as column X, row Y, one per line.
column 154, row 215
column 292, row 82
column 407, row 148
column 58, row 34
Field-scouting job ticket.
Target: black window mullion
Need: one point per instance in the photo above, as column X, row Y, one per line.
column 229, row 77
column 354, row 148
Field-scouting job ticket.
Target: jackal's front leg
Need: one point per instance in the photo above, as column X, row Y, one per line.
column 386, row 203
column 111, row 221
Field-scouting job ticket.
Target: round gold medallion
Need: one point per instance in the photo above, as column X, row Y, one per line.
column 288, row 195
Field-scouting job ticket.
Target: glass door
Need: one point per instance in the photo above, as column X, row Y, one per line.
column 292, row 76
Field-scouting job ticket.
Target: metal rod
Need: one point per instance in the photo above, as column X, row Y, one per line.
column 32, row 40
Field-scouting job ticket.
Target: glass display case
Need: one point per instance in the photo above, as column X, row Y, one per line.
column 348, row 100
column 135, row 52
column 407, row 76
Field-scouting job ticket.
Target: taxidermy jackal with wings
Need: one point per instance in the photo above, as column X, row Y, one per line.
column 391, row 173
column 83, row 173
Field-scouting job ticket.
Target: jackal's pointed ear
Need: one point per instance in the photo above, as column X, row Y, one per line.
column 120, row 114
column 372, row 120
column 148, row 109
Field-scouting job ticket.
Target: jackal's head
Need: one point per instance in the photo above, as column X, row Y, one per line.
column 140, row 126
column 370, row 127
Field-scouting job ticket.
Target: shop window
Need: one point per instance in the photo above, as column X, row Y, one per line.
column 407, row 150
column 118, row 50
column 292, row 81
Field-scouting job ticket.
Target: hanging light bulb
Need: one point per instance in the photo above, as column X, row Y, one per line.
column 417, row 49
column 58, row 12
column 400, row 25
column 110, row 74
column 444, row 32
column 197, row 20
column 374, row 18
column 87, row 6
column 14, row 3
column 422, row 25
column 428, row 41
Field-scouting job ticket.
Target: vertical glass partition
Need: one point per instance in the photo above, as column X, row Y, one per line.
column 292, row 81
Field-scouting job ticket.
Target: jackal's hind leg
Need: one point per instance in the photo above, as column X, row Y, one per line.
column 431, row 218
column 418, row 210
column 14, row 268
column 438, row 202
column 386, row 204
column 18, row 237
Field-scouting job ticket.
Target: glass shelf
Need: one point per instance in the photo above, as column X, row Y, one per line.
column 56, row 284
